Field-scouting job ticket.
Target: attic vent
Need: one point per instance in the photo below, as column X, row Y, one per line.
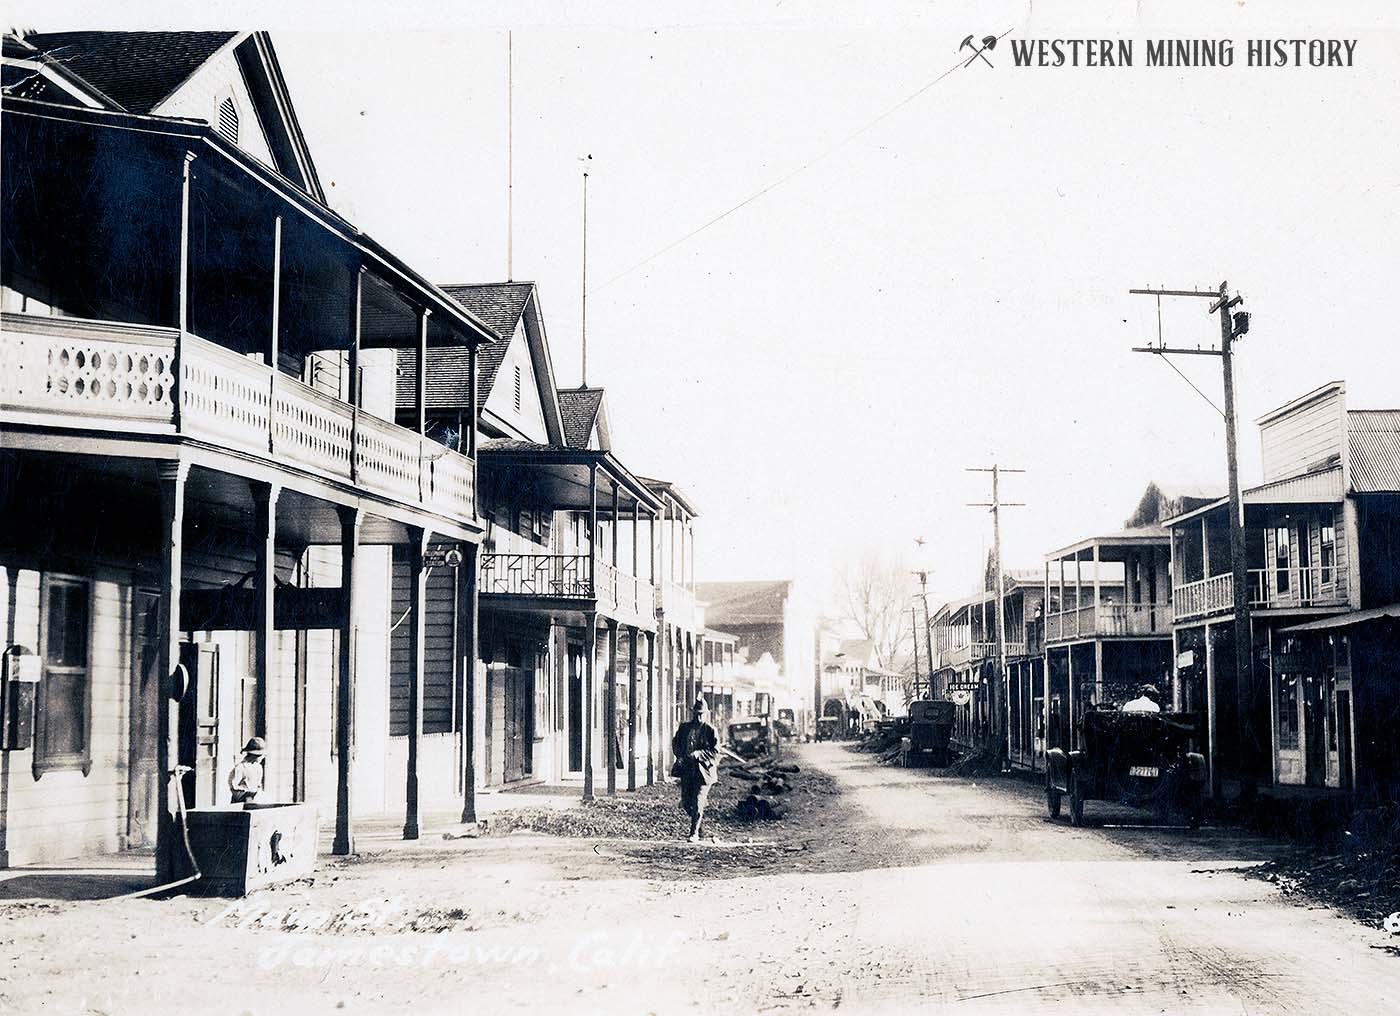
column 228, row 120
column 517, row 389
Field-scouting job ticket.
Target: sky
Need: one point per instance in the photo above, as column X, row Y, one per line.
column 926, row 270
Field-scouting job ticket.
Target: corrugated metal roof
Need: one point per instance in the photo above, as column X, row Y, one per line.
column 1374, row 438
column 1347, row 620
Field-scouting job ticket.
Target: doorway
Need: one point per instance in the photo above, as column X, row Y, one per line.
column 575, row 706
column 1344, row 737
column 143, row 785
column 518, row 689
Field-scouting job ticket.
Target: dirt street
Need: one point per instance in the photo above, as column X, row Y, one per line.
column 909, row 890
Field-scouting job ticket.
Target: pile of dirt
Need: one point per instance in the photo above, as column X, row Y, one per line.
column 977, row 764
column 1360, row 875
column 654, row 812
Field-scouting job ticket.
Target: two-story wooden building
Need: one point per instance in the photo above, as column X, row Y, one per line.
column 201, row 476
column 1321, row 534
column 589, row 632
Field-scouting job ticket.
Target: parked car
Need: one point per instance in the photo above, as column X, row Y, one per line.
column 930, row 725
column 751, row 737
column 828, row 728
column 1144, row 760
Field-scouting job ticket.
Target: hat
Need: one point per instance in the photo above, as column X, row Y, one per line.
column 700, row 705
column 255, row 746
column 1150, row 690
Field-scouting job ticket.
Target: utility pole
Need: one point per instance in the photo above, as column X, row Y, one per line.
column 1001, row 698
column 928, row 621
column 1232, row 326
column 914, row 620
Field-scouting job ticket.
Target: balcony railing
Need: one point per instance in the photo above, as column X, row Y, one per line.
column 1269, row 589
column 971, row 652
column 120, row 378
column 566, row 576
column 1109, row 619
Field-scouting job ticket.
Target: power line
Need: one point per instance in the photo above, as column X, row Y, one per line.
column 826, row 153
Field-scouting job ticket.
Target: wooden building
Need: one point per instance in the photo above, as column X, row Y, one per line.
column 204, row 486
column 1322, row 533
column 589, row 632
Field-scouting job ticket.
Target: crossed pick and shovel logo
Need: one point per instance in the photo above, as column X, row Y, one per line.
column 989, row 42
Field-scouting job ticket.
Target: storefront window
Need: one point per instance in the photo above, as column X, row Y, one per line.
column 1289, row 664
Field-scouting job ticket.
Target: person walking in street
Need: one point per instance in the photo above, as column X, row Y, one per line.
column 696, row 750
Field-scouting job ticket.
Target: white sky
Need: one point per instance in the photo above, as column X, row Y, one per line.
column 946, row 290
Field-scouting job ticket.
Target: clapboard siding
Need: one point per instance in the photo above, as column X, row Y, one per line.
column 439, row 649
column 1304, row 438
column 65, row 813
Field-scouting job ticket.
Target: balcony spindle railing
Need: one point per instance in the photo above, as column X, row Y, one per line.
column 126, row 378
column 1269, row 589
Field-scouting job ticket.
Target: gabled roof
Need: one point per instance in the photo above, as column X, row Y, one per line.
column 579, row 407
column 497, row 305
column 737, row 604
column 1374, row 446
column 135, row 69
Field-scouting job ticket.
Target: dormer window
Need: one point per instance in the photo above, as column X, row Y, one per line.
column 228, row 121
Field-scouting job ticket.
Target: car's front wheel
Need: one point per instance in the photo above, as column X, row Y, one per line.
column 1076, row 801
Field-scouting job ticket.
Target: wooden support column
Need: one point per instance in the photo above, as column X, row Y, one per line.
column 265, row 497
column 593, row 530
column 1098, row 642
column 590, row 665
column 614, row 522
column 651, row 709
column 417, row 613
column 631, row 708
column 344, row 842
column 272, row 352
column 357, row 310
column 472, row 412
column 610, row 703
column 469, row 645
column 169, row 845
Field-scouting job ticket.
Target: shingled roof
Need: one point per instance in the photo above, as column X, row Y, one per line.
column 498, row 305
column 135, row 69
column 579, row 408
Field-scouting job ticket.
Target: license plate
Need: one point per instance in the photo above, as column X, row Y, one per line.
column 1150, row 771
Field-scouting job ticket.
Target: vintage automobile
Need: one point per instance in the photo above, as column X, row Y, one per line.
column 828, row 728
column 751, row 737
column 786, row 724
column 1143, row 760
column 930, row 724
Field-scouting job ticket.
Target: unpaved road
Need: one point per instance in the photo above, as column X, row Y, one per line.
column 908, row 892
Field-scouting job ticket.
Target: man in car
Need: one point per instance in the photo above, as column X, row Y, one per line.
column 1148, row 701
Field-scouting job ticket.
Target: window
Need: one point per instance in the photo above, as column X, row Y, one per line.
column 1282, row 558
column 519, row 388
column 1327, row 548
column 64, row 714
column 228, row 120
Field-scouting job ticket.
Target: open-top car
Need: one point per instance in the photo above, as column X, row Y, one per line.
column 1141, row 759
column 751, row 736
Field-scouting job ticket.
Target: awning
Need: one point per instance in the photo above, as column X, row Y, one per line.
column 1346, row 620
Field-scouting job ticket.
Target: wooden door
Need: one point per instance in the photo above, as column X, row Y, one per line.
column 199, row 723
column 143, row 784
column 575, row 707
column 1344, row 737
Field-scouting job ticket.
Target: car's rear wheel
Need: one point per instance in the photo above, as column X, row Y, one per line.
column 1076, row 801
column 1052, row 801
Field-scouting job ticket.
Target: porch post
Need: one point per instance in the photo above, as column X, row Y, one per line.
column 469, row 643
column 610, row 752
column 172, row 476
column 182, row 285
column 417, row 594
column 344, row 842
column 614, row 522
column 631, row 708
column 270, row 354
column 592, row 529
column 265, row 497
column 651, row 708
column 353, row 366
column 1070, row 737
column 590, row 663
